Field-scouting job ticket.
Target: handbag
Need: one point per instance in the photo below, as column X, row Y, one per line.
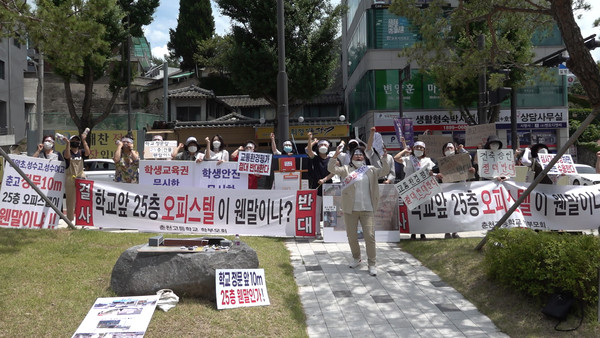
column 167, row 299
column 558, row 306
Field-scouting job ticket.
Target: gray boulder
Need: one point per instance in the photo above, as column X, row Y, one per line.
column 187, row 274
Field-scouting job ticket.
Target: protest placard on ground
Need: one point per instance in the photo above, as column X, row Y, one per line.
column 241, row 288
column 478, row 134
column 434, row 144
column 455, row 168
column 496, row 163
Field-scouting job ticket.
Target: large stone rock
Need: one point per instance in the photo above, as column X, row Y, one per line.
column 187, row 274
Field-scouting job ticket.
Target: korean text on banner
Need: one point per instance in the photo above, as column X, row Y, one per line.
column 418, row 188
column 185, row 209
column 240, row 288
column 254, row 163
column 496, row 163
column 306, row 213
column 207, row 174
column 21, row 206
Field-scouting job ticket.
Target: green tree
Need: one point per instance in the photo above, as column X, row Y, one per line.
column 194, row 25
column 79, row 39
column 310, row 46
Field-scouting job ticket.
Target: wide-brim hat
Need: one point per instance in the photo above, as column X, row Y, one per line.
column 536, row 147
column 190, row 140
column 492, row 139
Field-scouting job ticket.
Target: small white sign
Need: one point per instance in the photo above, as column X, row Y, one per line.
column 254, row 163
column 564, row 166
column 499, row 163
column 241, row 288
column 418, row 188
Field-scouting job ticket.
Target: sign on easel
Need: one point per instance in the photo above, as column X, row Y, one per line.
column 241, row 288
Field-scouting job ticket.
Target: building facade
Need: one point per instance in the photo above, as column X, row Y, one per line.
column 372, row 37
column 13, row 110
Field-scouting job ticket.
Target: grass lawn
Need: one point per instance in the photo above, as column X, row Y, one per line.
column 51, row 278
column 460, row 265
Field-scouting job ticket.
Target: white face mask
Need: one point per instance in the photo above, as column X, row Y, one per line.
column 287, row 149
column 358, row 164
column 494, row 146
column 418, row 153
column 543, row 151
column 48, row 145
column 323, row 150
column 216, row 144
column 449, row 152
column 192, row 149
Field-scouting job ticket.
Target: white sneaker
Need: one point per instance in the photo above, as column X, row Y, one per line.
column 355, row 263
column 372, row 271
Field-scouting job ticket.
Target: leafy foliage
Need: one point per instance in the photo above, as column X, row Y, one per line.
column 543, row 263
column 194, row 25
column 310, row 46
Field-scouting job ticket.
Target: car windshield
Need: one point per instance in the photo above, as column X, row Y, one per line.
column 585, row 170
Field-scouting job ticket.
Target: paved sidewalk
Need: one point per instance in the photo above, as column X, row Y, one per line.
column 405, row 299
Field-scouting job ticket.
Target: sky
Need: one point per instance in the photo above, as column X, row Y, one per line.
column 166, row 15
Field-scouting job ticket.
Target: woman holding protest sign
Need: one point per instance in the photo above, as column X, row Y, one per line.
column 530, row 159
column 413, row 162
column 249, row 147
column 46, row 149
column 127, row 161
column 360, row 197
column 190, row 151
column 74, row 157
column 215, row 151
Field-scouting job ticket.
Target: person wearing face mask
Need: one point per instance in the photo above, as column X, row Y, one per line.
column 127, row 161
column 360, row 197
column 344, row 156
column 450, row 149
column 413, row 161
column 190, row 151
column 215, row 151
column 377, row 160
column 74, row 157
column 249, row 147
column 530, row 159
column 317, row 171
column 287, row 147
column 46, row 149
column 493, row 143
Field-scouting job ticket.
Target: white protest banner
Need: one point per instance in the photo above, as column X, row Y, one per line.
column 478, row 134
column 167, row 173
column 185, row 209
column 118, row 317
column 207, row 174
column 159, row 149
column 287, row 180
column 455, row 168
column 21, row 206
column 564, row 166
column 378, row 144
column 417, row 188
column 434, row 144
column 498, row 163
column 254, row 163
column 477, row 206
column 241, row 288
column 386, row 215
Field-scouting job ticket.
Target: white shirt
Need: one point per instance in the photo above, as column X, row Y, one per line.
column 409, row 167
column 362, row 194
column 222, row 155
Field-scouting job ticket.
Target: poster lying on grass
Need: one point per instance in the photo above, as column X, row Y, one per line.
column 118, row 317
column 20, row 205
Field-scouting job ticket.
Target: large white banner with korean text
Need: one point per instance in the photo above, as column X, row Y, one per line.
column 187, row 209
column 207, row 174
column 472, row 206
column 20, row 205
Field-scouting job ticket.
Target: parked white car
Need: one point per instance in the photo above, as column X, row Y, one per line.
column 586, row 175
column 99, row 169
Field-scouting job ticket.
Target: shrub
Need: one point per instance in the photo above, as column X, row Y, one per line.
column 542, row 263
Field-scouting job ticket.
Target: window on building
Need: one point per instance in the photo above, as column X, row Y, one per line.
column 3, row 119
column 1, row 69
column 189, row 113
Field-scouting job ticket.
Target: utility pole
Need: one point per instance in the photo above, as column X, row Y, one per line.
column 482, row 101
column 283, row 115
column 166, row 91
column 403, row 75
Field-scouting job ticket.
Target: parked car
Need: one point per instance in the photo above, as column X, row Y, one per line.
column 99, row 169
column 586, row 175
